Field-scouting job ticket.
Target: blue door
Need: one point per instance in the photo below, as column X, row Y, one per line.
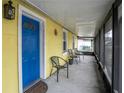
column 30, row 50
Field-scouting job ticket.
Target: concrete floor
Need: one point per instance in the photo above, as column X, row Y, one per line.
column 83, row 78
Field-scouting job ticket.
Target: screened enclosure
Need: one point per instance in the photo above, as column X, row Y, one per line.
column 108, row 47
column 103, row 47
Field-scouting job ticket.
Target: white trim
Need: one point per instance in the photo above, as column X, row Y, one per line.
column 20, row 51
column 29, row 13
column 64, row 30
column 45, row 50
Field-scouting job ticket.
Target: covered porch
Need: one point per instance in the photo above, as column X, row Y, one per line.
column 84, row 77
column 37, row 30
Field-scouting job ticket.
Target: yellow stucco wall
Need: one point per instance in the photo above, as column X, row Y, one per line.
column 53, row 43
column 9, row 55
column 70, row 40
column 10, row 47
column 76, row 42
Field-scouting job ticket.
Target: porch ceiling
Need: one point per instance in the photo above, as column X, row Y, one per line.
column 81, row 16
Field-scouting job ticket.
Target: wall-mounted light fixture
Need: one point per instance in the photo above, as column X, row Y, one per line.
column 55, row 32
column 9, row 10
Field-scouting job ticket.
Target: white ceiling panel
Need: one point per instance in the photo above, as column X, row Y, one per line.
column 88, row 13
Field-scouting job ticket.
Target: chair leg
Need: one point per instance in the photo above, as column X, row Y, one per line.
column 51, row 72
column 67, row 70
column 76, row 60
column 73, row 60
column 79, row 59
column 57, row 74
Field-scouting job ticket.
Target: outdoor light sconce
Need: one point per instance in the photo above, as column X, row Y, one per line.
column 9, row 11
column 55, row 32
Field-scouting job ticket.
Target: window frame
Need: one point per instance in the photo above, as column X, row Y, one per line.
column 65, row 40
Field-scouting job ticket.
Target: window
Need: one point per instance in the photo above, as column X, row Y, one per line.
column 102, row 47
column 97, row 44
column 108, row 48
column 64, row 40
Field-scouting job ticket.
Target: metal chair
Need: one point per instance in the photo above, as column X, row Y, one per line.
column 72, row 55
column 56, row 64
column 78, row 53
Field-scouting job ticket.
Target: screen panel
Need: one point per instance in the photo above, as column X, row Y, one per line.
column 97, row 45
column 108, row 48
column 117, row 50
column 102, row 46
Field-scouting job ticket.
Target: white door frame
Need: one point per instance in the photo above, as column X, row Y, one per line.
column 29, row 13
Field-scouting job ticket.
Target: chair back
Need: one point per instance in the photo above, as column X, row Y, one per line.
column 75, row 50
column 55, row 61
column 70, row 52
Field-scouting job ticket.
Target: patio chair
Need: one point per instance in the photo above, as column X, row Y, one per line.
column 78, row 53
column 72, row 55
column 56, row 64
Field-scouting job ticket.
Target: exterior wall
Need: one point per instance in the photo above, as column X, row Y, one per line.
column 10, row 47
column 76, row 42
column 70, row 40
column 53, row 43
column 9, row 55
